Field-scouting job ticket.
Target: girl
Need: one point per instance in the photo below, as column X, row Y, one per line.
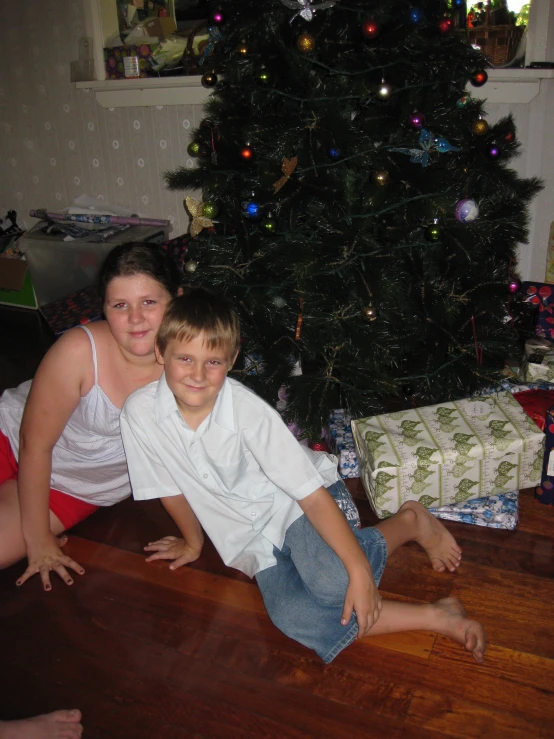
column 61, row 454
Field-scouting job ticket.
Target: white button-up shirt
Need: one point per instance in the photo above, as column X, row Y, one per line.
column 241, row 471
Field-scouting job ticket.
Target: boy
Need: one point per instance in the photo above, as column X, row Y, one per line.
column 222, row 460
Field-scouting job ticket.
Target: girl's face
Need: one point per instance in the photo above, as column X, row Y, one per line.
column 134, row 308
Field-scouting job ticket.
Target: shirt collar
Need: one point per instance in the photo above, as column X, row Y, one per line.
column 222, row 413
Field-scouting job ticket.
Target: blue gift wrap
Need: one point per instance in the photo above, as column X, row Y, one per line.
column 338, row 436
column 495, row 512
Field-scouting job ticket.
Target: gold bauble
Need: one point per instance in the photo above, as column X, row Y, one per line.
column 369, row 313
column 381, row 177
column 305, row 43
column 191, row 266
column 242, row 49
column 480, row 127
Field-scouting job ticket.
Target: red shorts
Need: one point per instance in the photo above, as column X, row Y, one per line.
column 68, row 509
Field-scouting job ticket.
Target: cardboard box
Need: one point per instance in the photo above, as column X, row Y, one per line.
column 16, row 287
column 159, row 28
column 448, row 453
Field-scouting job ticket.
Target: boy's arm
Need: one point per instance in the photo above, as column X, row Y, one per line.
column 181, row 551
column 362, row 594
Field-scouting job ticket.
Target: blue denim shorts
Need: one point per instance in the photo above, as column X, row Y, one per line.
column 304, row 592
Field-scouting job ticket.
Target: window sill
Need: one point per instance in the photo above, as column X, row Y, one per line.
column 149, row 91
column 512, row 85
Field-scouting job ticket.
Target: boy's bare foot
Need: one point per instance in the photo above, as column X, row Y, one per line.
column 56, row 725
column 437, row 541
column 452, row 622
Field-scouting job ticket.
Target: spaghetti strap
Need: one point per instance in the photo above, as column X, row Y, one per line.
column 94, row 359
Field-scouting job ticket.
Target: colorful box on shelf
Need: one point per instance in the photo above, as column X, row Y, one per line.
column 448, row 453
column 338, row 436
column 495, row 512
column 114, row 60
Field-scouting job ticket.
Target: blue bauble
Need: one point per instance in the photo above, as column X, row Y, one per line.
column 251, row 209
column 333, row 153
column 416, row 15
column 466, row 211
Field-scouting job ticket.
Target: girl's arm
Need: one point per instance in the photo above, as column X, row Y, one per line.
column 54, row 395
column 362, row 594
column 181, row 551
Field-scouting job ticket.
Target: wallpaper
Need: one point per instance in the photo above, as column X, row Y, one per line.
column 56, row 142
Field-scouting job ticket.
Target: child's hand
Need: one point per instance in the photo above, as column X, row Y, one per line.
column 170, row 547
column 48, row 557
column 363, row 597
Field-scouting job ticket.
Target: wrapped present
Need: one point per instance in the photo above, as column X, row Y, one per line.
column 113, row 60
column 541, row 295
column 544, row 492
column 538, row 361
column 536, row 403
column 338, row 435
column 448, row 453
column 495, row 512
column 77, row 309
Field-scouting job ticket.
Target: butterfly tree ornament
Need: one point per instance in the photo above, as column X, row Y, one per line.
column 306, row 9
column 428, row 143
column 198, row 221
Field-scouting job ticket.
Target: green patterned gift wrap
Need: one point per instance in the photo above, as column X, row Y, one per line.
column 448, row 453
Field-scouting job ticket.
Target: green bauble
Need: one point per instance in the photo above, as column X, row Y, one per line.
column 433, row 232
column 210, row 209
column 193, row 149
column 463, row 102
column 269, row 225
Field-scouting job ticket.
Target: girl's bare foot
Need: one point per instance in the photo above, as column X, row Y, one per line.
column 437, row 541
column 56, row 725
column 452, row 622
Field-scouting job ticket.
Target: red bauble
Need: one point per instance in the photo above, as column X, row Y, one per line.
column 320, row 446
column 371, row 29
column 479, row 78
column 246, row 153
column 509, row 136
column 446, row 25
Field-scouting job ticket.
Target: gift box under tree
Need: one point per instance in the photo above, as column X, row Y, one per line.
column 448, row 453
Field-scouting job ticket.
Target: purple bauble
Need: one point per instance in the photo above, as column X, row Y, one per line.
column 466, row 211
column 514, row 286
column 217, row 17
column 493, row 151
column 416, row 120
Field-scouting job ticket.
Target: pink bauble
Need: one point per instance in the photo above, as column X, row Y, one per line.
column 514, row 286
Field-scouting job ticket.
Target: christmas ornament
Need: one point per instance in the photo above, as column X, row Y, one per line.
column 369, row 313
column 214, row 36
column 384, row 91
column 299, row 321
column 433, row 232
column 193, row 149
column 416, row 15
column 191, row 266
column 509, row 136
column 246, row 153
column 198, row 221
column 514, row 286
column 242, row 49
column 269, row 225
column 479, row 78
column 287, row 168
column 263, row 76
column 371, row 29
column 305, row 43
column 333, row 153
column 320, row 446
column 305, row 8
column 480, row 127
column 466, row 210
column 278, row 301
column 209, row 79
column 250, row 209
column 210, row 209
column 381, row 177
column 463, row 102
column 446, row 25
column 493, row 151
column 428, row 143
column 416, row 120
column 217, row 17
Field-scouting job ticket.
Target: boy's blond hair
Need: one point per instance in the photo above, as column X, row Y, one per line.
column 198, row 311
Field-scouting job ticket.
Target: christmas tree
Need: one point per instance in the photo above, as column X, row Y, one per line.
column 356, row 206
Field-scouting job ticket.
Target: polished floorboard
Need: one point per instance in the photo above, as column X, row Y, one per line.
column 146, row 653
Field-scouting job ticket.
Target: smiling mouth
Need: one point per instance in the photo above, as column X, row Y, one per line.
column 138, row 334
column 194, row 389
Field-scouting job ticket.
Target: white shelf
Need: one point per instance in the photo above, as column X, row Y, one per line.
column 148, row 91
column 512, row 85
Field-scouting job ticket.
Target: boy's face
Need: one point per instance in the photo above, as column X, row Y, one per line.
column 195, row 374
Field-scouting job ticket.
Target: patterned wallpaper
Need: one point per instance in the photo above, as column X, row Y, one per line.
column 56, row 142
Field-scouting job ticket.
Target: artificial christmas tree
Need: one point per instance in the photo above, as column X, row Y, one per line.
column 356, row 206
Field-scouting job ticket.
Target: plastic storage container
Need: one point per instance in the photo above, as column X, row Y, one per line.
column 60, row 267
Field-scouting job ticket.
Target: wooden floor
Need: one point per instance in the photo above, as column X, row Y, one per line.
column 147, row 653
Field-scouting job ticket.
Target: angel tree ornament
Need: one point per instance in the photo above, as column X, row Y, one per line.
column 306, row 9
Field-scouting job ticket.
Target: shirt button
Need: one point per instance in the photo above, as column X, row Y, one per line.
column 205, row 477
